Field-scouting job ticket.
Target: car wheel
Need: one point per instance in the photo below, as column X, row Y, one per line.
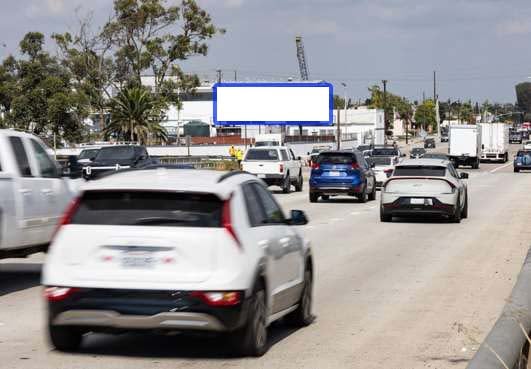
column 314, row 197
column 251, row 340
column 385, row 218
column 464, row 214
column 286, row 186
column 65, row 338
column 372, row 195
column 299, row 184
column 302, row 316
column 326, row 197
column 363, row 197
column 516, row 170
column 456, row 218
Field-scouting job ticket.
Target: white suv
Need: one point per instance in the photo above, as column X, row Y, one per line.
column 178, row 250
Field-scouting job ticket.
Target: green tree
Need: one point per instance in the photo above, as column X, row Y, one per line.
column 425, row 115
column 523, row 98
column 136, row 116
column 393, row 104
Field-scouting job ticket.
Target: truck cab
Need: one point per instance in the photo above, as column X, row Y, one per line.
column 33, row 194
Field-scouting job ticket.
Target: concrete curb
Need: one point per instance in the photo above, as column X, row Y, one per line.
column 506, row 337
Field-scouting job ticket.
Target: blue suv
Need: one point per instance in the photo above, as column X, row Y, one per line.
column 342, row 173
column 522, row 161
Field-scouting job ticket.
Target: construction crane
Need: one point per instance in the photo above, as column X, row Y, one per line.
column 301, row 57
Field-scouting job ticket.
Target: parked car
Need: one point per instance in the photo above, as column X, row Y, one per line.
column 417, row 153
column 383, row 167
column 522, row 160
column 342, row 173
column 114, row 158
column 177, row 250
column 429, row 143
column 386, row 150
column 276, row 166
column 33, row 194
column 425, row 187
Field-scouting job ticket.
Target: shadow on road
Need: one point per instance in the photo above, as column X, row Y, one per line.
column 150, row 345
column 426, row 220
column 18, row 276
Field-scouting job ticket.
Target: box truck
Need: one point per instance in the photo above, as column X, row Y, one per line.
column 494, row 142
column 465, row 145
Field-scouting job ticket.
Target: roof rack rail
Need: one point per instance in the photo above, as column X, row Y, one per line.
column 231, row 174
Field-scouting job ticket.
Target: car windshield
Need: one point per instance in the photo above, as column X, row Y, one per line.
column 116, row 153
column 88, row 154
column 383, row 160
column 335, row 158
column 262, row 154
column 385, row 152
column 436, row 156
column 148, row 208
column 419, row 171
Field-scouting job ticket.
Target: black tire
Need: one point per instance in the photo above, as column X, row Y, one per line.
column 66, row 339
column 300, row 183
column 314, row 197
column 286, row 185
column 385, row 218
column 516, row 170
column 372, row 195
column 251, row 339
column 464, row 213
column 302, row 316
column 456, row 218
column 363, row 197
column 326, row 197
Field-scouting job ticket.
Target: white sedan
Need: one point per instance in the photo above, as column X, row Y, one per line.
column 425, row 187
column 527, row 145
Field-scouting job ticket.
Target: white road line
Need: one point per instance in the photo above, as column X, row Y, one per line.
column 355, row 213
column 336, row 219
column 498, row 168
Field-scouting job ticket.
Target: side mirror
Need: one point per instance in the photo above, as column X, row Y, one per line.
column 298, row 218
column 308, row 153
column 299, row 158
column 463, row 175
column 373, row 165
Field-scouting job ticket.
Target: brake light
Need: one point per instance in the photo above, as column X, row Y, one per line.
column 315, row 166
column 281, row 168
column 355, row 166
column 226, row 222
column 218, row 298
column 55, row 294
column 67, row 215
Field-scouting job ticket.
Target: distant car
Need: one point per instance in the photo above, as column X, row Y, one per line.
column 422, row 187
column 114, row 158
column 177, row 251
column 87, row 155
column 429, row 143
column 342, row 173
column 417, row 153
column 434, row 155
column 315, row 153
column 444, row 137
column 386, row 150
column 366, row 150
column 515, row 137
column 383, row 167
column 527, row 145
column 522, row 161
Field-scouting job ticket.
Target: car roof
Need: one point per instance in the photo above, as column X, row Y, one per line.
column 219, row 183
column 268, row 147
column 424, row 162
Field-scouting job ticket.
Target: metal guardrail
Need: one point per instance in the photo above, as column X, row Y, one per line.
column 507, row 345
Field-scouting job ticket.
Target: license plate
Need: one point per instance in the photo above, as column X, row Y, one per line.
column 261, row 176
column 334, row 174
column 138, row 261
column 416, row 201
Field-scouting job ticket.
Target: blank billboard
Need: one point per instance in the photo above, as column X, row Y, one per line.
column 292, row 103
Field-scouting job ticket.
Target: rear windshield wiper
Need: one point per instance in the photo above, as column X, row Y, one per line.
column 165, row 220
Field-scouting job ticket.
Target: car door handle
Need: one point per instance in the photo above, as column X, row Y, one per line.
column 25, row 191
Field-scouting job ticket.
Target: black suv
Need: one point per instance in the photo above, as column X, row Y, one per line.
column 429, row 143
column 113, row 158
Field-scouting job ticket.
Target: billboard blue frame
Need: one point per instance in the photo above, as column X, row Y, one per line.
column 329, row 122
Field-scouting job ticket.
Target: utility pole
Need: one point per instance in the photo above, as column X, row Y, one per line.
column 219, row 75
column 434, row 86
column 235, row 76
column 338, row 127
column 385, row 108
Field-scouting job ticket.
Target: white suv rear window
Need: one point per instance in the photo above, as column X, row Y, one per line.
column 148, row 208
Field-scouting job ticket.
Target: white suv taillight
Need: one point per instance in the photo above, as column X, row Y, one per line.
column 226, row 222
column 67, row 215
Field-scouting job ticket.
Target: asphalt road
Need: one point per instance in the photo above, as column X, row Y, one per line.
column 402, row 295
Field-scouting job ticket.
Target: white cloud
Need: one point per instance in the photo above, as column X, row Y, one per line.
column 233, row 3
column 313, row 26
column 55, row 6
column 514, row 27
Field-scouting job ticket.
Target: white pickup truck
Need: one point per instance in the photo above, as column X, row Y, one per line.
column 276, row 166
column 33, row 194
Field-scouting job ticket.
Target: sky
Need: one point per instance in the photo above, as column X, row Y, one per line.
column 479, row 48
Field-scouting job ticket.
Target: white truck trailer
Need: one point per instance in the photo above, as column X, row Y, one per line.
column 494, row 142
column 465, row 145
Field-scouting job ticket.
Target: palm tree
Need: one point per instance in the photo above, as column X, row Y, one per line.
column 134, row 113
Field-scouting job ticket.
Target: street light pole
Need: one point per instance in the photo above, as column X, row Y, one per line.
column 385, row 108
column 345, row 110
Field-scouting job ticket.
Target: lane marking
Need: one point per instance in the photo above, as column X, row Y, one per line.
column 501, row 167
